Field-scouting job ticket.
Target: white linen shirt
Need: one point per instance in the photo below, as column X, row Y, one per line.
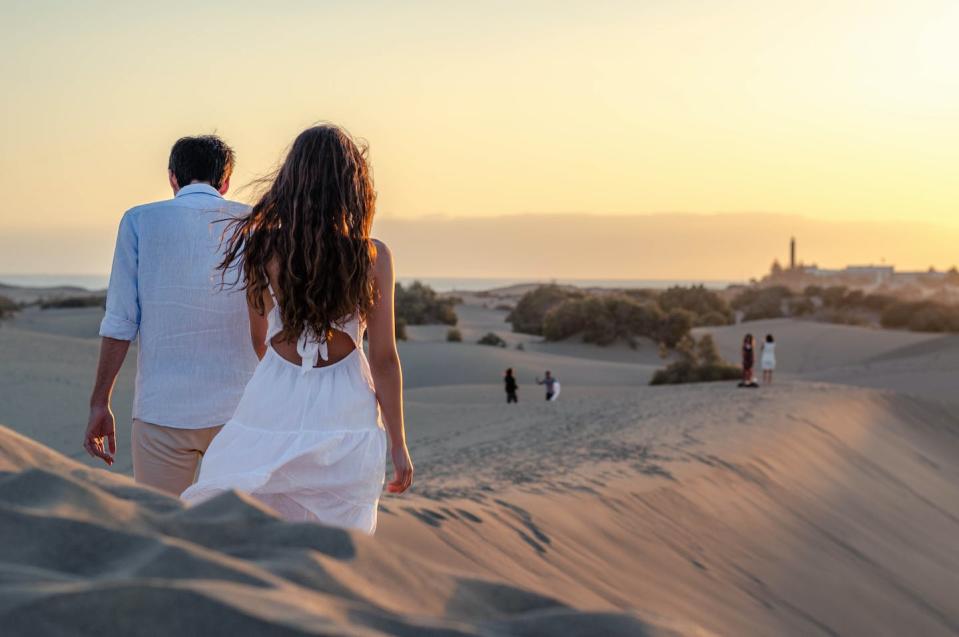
column 195, row 355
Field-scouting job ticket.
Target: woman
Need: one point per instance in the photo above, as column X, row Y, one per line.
column 748, row 362
column 768, row 361
column 308, row 435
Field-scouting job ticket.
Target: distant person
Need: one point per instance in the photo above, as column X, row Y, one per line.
column 310, row 435
column 194, row 356
column 768, row 360
column 749, row 358
column 511, row 387
column 552, row 385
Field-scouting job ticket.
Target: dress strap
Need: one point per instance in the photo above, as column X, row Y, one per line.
column 274, row 324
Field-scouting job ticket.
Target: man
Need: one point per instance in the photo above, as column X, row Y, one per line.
column 551, row 385
column 194, row 355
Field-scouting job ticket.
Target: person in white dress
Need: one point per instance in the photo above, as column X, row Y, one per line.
column 310, row 435
column 768, row 360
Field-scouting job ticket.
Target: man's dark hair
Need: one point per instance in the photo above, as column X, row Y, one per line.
column 204, row 158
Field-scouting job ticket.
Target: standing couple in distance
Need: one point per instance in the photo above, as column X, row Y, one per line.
column 250, row 326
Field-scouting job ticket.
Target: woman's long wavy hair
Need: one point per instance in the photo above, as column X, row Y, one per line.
column 313, row 222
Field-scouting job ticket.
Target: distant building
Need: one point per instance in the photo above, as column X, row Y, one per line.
column 880, row 273
column 866, row 277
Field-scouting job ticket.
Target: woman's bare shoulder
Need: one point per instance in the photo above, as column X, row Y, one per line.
column 383, row 258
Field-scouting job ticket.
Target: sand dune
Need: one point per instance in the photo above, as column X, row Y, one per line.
column 45, row 383
column 928, row 369
column 806, row 346
column 803, row 508
column 115, row 558
column 83, row 322
column 480, row 317
column 807, row 509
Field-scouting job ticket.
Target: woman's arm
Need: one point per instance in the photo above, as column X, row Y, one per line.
column 257, row 331
column 385, row 366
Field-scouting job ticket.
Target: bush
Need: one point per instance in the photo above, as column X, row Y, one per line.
column 707, row 352
column 802, row 307
column 493, row 339
column 531, row 309
column 762, row 303
column 602, row 320
column 843, row 316
column 834, row 296
column 921, row 316
column 575, row 316
column 7, row 307
column 92, row 300
column 675, row 327
column 419, row 304
column 707, row 307
column 713, row 319
column 877, row 302
column 453, row 335
column 643, row 294
column 400, row 329
column 697, row 363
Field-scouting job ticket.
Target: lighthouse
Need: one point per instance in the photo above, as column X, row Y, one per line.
column 792, row 253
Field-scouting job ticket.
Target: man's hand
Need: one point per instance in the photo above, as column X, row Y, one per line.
column 101, row 440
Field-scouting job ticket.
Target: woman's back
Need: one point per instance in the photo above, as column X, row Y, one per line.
column 346, row 337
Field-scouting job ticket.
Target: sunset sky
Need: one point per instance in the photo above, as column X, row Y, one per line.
column 838, row 111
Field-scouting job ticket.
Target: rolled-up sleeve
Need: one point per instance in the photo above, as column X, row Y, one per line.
column 122, row 319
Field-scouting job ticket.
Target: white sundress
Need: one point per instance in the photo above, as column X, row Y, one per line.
column 768, row 360
column 307, row 441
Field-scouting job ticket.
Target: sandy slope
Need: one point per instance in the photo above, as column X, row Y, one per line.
column 803, row 508
column 49, row 359
column 807, row 509
column 87, row 553
column 805, row 346
column 480, row 317
column 45, row 382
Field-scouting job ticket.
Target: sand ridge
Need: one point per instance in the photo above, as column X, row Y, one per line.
column 814, row 506
column 814, row 509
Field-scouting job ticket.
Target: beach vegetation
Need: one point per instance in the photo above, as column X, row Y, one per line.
column 493, row 339
column 453, row 335
column 89, row 300
column 696, row 362
column 530, row 311
column 921, row 316
column 419, row 304
column 757, row 303
column 706, row 306
column 7, row 307
column 603, row 320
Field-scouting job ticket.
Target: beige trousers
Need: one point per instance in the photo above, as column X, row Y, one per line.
column 167, row 458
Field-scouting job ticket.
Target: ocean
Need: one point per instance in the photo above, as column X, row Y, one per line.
column 440, row 284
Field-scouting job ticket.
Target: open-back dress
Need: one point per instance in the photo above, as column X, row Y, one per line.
column 307, row 441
